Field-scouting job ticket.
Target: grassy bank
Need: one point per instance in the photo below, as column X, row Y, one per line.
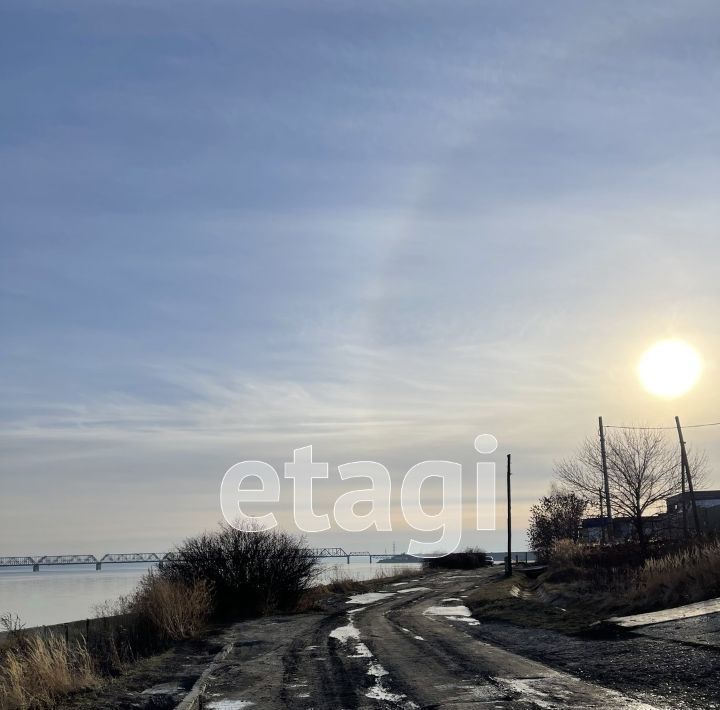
column 219, row 576
column 583, row 585
column 216, row 579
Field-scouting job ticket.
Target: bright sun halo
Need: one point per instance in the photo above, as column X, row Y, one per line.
column 669, row 368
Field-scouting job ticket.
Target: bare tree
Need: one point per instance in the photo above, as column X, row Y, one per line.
column 643, row 470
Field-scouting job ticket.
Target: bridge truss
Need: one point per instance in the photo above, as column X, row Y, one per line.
column 150, row 557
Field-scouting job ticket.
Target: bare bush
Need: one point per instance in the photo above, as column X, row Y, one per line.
column 471, row 558
column 250, row 571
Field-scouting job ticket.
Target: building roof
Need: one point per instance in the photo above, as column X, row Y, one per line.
column 699, row 495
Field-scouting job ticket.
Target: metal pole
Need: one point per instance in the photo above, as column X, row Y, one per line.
column 684, row 462
column 606, row 480
column 508, row 566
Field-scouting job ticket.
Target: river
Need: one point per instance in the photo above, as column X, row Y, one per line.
column 67, row 593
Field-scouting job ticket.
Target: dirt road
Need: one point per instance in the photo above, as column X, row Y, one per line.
column 413, row 645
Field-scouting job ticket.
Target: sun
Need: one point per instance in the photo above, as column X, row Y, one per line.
column 669, row 368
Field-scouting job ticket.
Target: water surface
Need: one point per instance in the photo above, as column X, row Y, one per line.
column 67, row 593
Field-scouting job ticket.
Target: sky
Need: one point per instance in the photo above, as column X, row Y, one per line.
column 233, row 229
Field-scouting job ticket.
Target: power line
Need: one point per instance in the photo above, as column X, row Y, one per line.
column 659, row 428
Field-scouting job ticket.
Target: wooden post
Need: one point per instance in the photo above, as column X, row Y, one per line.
column 508, row 564
column 606, row 480
column 686, row 465
column 686, row 535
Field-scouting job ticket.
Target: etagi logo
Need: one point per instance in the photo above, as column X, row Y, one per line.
column 303, row 471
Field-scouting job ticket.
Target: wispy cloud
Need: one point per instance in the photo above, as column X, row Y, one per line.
column 377, row 228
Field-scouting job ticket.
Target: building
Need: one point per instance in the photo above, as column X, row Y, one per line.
column 623, row 528
column 663, row 526
column 703, row 499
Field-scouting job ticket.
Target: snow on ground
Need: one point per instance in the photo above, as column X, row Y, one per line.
column 415, row 636
column 369, row 597
column 543, row 692
column 468, row 620
column 361, row 651
column 350, row 634
column 229, row 704
column 458, row 610
column 412, row 589
column 380, row 692
column 346, row 633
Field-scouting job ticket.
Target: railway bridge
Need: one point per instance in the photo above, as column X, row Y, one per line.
column 152, row 558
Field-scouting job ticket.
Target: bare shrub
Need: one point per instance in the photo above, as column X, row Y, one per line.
column 471, row 558
column 250, row 571
column 39, row 670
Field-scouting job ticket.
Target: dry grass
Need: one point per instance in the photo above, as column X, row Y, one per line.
column 683, row 577
column 565, row 553
column 178, row 610
column 39, row 670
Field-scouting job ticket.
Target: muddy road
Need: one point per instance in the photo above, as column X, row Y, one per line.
column 414, row 645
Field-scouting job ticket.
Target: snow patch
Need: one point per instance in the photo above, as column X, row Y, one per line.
column 346, row 633
column 377, row 692
column 229, row 704
column 369, row 597
column 450, row 599
column 447, row 611
column 376, row 670
column 361, row 651
column 415, row 636
column 412, row 589
column 468, row 620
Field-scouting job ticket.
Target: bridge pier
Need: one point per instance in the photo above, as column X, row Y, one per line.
column 348, row 559
column 36, row 567
column 98, row 566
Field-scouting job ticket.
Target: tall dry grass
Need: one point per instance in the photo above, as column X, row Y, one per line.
column 178, row 610
column 566, row 552
column 683, row 577
column 37, row 671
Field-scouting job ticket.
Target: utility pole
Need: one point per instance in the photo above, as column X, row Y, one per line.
column 606, row 480
column 686, row 466
column 682, row 498
column 603, row 532
column 508, row 563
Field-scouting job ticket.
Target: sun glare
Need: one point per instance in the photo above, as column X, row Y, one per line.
column 669, row 368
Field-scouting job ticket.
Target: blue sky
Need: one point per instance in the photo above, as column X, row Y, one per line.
column 229, row 229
